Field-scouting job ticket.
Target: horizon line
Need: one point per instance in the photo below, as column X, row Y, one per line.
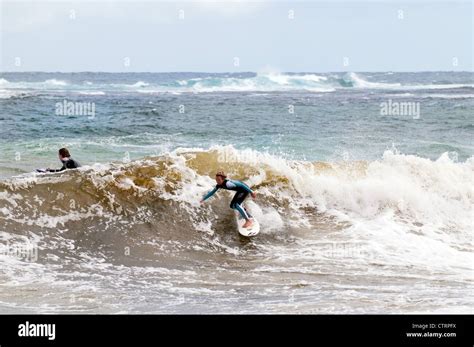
column 237, row 72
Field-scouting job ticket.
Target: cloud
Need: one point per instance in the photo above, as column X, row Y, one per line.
column 26, row 16
column 20, row 16
column 230, row 7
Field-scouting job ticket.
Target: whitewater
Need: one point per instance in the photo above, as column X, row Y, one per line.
column 360, row 212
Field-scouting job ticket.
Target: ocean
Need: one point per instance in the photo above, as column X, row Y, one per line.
column 364, row 181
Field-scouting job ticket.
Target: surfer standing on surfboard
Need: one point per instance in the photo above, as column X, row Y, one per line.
column 242, row 191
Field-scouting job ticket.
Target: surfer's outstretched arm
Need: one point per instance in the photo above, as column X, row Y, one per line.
column 56, row 170
column 208, row 195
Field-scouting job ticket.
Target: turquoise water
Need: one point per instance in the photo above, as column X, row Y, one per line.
column 334, row 116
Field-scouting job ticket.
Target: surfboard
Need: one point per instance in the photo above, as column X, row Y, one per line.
column 248, row 232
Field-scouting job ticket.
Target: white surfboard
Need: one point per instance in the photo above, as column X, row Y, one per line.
column 252, row 231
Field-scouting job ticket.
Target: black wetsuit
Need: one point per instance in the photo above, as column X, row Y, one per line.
column 69, row 163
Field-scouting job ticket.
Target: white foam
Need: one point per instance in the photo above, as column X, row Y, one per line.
column 55, row 82
column 359, row 82
column 262, row 82
column 448, row 96
column 92, row 93
column 140, row 84
column 401, row 202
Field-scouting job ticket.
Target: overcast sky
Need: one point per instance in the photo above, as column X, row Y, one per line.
column 150, row 36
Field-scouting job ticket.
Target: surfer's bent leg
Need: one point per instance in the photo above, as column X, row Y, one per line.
column 236, row 204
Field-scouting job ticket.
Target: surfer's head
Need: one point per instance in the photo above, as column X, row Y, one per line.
column 63, row 153
column 220, row 177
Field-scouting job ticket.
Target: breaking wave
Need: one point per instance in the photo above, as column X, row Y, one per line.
column 400, row 202
column 264, row 82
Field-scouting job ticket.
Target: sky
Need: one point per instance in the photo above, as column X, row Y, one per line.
column 236, row 36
